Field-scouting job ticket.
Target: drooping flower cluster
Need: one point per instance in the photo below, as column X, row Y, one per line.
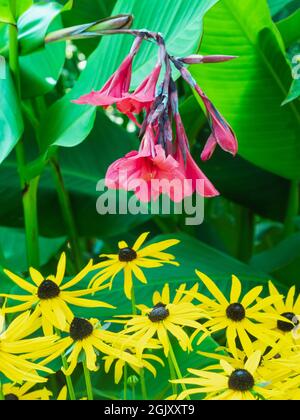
column 260, row 335
column 164, row 163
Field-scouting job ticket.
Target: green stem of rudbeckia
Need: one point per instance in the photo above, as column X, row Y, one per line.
column 125, row 382
column 69, row 381
column 28, row 188
column 88, row 382
column 292, row 210
column 172, row 374
column 176, row 367
column 133, row 301
column 67, row 213
column 143, row 385
column 1, row 393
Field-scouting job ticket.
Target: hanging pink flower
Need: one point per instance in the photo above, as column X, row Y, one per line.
column 143, row 97
column 116, row 87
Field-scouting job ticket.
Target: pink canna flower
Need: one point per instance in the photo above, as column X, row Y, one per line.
column 199, row 182
column 222, row 133
column 117, row 86
column 143, row 97
column 149, row 173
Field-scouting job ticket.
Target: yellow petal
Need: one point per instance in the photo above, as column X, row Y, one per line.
column 140, row 241
column 236, row 290
column 61, row 269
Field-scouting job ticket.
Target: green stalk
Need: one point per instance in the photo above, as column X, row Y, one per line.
column 125, row 382
column 1, row 392
column 246, row 234
column 88, row 382
column 68, row 378
column 29, row 189
column 143, row 385
column 172, row 375
column 176, row 367
column 292, row 210
column 67, row 212
column 133, row 301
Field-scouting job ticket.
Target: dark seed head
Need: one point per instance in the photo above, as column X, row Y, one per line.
column 159, row 313
column 241, row 380
column 286, row 326
column 11, row 397
column 48, row 290
column 127, row 255
column 80, row 329
column 236, row 312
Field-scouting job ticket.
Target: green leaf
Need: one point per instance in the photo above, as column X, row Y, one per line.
column 34, row 24
column 249, row 91
column 84, row 12
column 22, row 6
column 260, row 196
column 278, row 5
column 11, row 123
column 68, row 124
column 13, row 245
column 289, row 28
column 5, row 13
column 82, row 168
column 41, row 70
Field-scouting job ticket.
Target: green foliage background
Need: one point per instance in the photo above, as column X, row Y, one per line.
column 252, row 230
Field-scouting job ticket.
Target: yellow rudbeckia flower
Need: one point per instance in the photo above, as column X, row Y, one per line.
column 51, row 297
column 16, row 349
column 230, row 383
column 87, row 338
column 288, row 308
column 166, row 316
column 146, row 360
column 13, row 392
column 132, row 260
column 241, row 318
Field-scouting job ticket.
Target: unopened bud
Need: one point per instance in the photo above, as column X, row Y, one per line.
column 133, row 380
column 202, row 59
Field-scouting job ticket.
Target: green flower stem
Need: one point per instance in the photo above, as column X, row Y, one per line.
column 172, row 374
column 292, row 210
column 125, row 382
column 66, row 208
column 176, row 367
column 88, row 382
column 29, row 189
column 133, row 391
column 143, row 385
column 1, row 392
column 133, row 301
column 69, row 382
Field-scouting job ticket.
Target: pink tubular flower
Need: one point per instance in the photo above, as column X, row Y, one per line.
column 149, row 173
column 222, row 133
column 116, row 87
column 143, row 97
column 200, row 183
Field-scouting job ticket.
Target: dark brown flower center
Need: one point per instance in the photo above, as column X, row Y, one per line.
column 127, row 255
column 11, row 397
column 286, row 326
column 236, row 312
column 80, row 329
column 159, row 313
column 48, row 290
column 241, row 380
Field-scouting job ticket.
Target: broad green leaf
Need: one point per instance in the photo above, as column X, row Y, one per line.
column 261, row 196
column 34, row 24
column 22, row 6
column 5, row 13
column 277, row 6
column 84, row 12
column 13, row 245
column 290, row 28
column 68, row 124
column 249, row 91
column 41, row 70
column 82, row 168
column 294, row 92
column 11, row 123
